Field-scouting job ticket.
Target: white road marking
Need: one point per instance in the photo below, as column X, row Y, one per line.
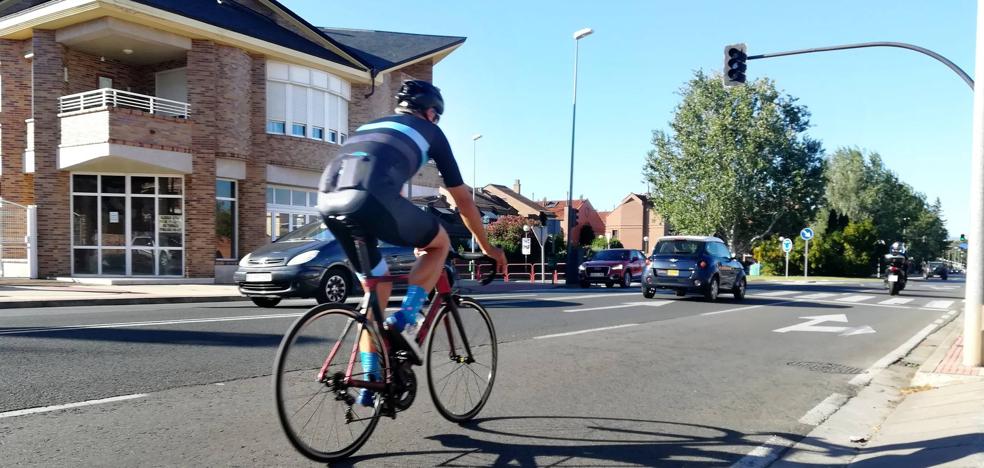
column 45, row 409
column 896, row 354
column 858, row 298
column 939, row 304
column 896, row 301
column 727, row 311
column 823, row 410
column 622, row 306
column 776, row 293
column 811, row 324
column 502, row 296
column 765, row 454
column 581, row 296
column 584, row 331
column 146, row 324
column 816, row 296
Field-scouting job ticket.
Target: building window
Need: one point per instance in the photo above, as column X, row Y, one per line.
column 332, row 136
column 125, row 225
column 289, row 208
column 341, row 139
column 298, row 130
column 226, row 220
column 278, row 127
column 318, row 133
column 300, row 97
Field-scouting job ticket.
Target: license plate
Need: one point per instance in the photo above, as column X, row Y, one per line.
column 893, row 278
column 672, row 272
column 597, row 275
column 259, row 277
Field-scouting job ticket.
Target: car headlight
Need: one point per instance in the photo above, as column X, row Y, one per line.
column 245, row 260
column 581, row 267
column 303, row 258
column 618, row 267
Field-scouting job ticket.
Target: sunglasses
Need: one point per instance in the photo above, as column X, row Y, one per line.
column 437, row 118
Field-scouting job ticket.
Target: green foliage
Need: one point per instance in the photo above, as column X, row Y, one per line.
column 586, row 236
column 507, row 234
column 601, row 243
column 847, row 251
column 735, row 163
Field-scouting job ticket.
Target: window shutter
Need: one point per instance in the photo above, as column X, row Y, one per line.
column 299, row 104
column 276, row 101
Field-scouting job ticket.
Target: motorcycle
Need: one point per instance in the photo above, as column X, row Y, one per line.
column 895, row 274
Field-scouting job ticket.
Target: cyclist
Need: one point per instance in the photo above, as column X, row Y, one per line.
column 362, row 187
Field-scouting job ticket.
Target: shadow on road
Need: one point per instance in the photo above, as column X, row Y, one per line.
column 138, row 335
column 603, row 442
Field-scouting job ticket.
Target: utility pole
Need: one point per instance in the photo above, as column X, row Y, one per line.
column 974, row 289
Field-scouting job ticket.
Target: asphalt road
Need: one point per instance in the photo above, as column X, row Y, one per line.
column 599, row 377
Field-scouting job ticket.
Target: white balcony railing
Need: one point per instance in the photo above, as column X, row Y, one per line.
column 108, row 97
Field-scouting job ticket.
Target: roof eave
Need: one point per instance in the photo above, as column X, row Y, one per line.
column 318, row 34
column 436, row 54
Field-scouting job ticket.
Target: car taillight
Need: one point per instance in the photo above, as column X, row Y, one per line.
column 702, row 264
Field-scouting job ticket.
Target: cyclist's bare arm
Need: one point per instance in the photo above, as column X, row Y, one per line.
column 473, row 221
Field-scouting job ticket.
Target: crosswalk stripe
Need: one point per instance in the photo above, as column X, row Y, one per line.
column 896, row 301
column 776, row 293
column 939, row 304
column 816, row 296
column 857, row 298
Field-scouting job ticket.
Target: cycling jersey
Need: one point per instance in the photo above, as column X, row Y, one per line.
column 361, row 188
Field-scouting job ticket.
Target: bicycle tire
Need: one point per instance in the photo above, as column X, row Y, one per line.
column 484, row 346
column 296, row 343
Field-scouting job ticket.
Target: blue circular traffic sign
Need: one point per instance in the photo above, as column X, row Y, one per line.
column 787, row 245
column 806, row 233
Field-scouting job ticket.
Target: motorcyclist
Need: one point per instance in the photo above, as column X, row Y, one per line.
column 896, row 256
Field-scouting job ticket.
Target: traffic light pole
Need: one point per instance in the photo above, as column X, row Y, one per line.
column 902, row 45
column 974, row 287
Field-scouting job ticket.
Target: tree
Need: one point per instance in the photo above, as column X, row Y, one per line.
column 736, row 163
column 601, row 243
column 507, row 233
column 586, row 236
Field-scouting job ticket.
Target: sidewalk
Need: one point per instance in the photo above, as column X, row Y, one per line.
column 935, row 420
column 51, row 293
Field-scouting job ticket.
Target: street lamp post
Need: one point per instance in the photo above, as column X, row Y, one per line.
column 570, row 277
column 475, row 138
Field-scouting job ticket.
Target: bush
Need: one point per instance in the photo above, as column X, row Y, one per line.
column 600, row 243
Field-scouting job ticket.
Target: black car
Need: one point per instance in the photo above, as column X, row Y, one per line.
column 308, row 262
column 931, row 269
column 697, row 264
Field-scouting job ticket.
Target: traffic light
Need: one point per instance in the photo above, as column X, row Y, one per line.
column 734, row 65
column 573, row 216
column 543, row 219
column 963, row 238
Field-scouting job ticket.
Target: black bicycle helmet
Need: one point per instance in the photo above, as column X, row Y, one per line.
column 418, row 96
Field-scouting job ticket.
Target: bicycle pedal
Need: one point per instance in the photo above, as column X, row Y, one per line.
column 400, row 345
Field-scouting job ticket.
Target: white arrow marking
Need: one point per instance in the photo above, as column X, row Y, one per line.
column 859, row 331
column 811, row 324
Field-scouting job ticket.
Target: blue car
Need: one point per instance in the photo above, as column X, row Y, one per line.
column 694, row 264
column 309, row 263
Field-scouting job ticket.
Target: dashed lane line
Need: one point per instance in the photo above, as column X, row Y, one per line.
column 45, row 409
column 622, row 306
column 777, row 293
column 939, row 305
column 857, row 298
column 591, row 330
column 896, row 301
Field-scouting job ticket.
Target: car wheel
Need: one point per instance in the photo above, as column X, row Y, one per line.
column 334, row 287
column 626, row 280
column 681, row 292
column 739, row 289
column 585, row 284
column 713, row 289
column 265, row 301
column 648, row 293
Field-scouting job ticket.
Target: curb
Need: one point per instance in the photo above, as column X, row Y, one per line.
column 118, row 301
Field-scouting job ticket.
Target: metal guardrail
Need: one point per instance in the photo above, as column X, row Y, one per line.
column 108, row 97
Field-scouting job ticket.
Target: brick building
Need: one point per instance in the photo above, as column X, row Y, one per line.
column 633, row 221
column 586, row 217
column 170, row 137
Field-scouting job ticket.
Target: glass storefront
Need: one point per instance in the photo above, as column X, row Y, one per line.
column 127, row 225
column 289, row 208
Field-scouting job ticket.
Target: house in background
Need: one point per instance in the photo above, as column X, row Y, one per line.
column 523, row 205
column 634, row 220
column 586, row 217
column 168, row 138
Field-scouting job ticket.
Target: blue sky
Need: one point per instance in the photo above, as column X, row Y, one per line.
column 512, row 82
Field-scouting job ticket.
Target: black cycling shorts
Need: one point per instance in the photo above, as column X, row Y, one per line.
column 388, row 217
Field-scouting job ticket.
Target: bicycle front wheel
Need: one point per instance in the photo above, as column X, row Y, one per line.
column 462, row 355
column 315, row 376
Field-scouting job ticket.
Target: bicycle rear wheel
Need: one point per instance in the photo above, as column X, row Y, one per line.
column 315, row 402
column 460, row 373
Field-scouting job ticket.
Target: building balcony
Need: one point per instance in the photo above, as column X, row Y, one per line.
column 109, row 130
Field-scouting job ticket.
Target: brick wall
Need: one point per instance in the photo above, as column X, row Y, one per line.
column 232, row 113
column 84, row 71
column 203, row 74
column 15, row 108
column 51, row 186
column 252, row 191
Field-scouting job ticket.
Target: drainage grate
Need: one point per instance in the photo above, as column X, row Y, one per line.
column 826, row 367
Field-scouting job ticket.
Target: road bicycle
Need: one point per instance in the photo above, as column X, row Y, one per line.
column 318, row 373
